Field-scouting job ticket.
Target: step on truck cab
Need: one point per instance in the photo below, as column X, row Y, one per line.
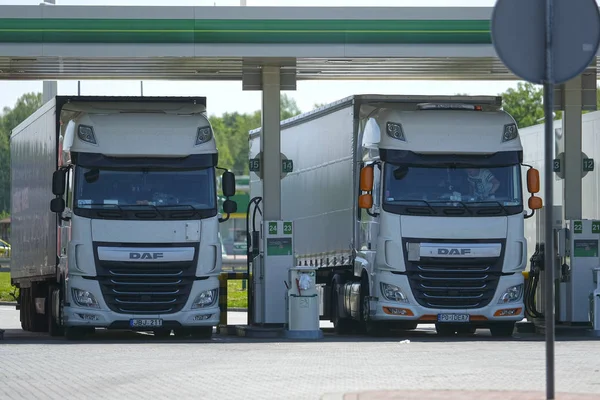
column 115, row 216
column 412, row 208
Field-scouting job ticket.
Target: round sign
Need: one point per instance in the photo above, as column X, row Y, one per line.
column 519, row 36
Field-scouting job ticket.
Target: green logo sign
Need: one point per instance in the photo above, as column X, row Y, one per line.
column 272, row 228
column 595, row 226
column 577, row 227
column 287, row 228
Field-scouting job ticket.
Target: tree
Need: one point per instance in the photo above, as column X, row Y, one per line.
column 10, row 118
column 232, row 129
column 526, row 105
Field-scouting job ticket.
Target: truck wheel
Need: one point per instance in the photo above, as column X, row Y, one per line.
column 24, row 309
column 445, row 330
column 504, row 329
column 341, row 326
column 370, row 327
column 55, row 327
column 202, row 332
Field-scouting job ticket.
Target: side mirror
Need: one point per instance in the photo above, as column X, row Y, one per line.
column 365, row 201
column 533, row 181
column 229, row 206
column 57, row 205
column 59, row 181
column 535, row 203
column 228, row 184
column 366, row 179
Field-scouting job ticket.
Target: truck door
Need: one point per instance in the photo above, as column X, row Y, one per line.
column 64, row 231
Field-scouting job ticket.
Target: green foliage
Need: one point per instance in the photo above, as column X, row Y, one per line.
column 525, row 104
column 231, row 132
column 9, row 119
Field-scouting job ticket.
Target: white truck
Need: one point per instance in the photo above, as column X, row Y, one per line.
column 412, row 209
column 115, row 222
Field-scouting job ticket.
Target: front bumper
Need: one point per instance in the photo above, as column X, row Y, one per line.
column 103, row 317
column 383, row 310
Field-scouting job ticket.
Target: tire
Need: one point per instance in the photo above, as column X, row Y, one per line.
column 24, row 309
column 55, row 327
column 202, row 332
column 341, row 326
column 370, row 327
column 445, row 330
column 504, row 329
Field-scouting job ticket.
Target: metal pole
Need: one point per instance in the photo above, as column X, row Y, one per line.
column 78, row 88
column 142, row 88
column 549, row 214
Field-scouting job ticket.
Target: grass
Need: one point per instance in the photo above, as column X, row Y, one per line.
column 236, row 297
column 5, row 287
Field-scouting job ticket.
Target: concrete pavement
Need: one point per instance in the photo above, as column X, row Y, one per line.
column 112, row 365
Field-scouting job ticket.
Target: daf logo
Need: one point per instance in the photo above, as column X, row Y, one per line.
column 145, row 256
column 454, row 252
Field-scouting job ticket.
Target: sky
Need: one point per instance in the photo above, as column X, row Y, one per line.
column 228, row 96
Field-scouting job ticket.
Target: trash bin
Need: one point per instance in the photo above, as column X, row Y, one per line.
column 303, row 304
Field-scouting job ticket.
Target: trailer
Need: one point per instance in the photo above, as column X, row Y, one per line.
column 411, row 208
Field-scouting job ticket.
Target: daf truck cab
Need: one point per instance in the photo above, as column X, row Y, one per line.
column 441, row 226
column 132, row 231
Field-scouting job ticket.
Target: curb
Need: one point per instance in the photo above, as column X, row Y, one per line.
column 238, row 309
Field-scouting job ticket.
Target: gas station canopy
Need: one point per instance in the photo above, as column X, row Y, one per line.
column 222, row 43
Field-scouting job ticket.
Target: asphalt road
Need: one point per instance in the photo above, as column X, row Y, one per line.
column 127, row 365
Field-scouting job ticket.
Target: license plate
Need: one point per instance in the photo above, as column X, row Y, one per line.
column 453, row 317
column 145, row 323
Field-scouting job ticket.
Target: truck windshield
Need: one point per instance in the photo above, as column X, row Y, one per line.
column 155, row 188
column 473, row 189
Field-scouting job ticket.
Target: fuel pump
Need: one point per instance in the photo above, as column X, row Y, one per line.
column 578, row 248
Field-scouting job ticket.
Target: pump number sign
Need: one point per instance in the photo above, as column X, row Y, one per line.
column 287, row 228
column 595, row 226
column 272, row 228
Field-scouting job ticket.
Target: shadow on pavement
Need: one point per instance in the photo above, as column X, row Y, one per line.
column 20, row 337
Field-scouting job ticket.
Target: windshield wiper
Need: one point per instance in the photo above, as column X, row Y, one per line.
column 455, row 201
column 427, row 204
column 493, row 202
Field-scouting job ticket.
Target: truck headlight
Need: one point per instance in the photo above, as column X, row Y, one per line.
column 203, row 135
column 510, row 132
column 512, row 294
column 86, row 133
column 83, row 298
column 207, row 298
column 393, row 293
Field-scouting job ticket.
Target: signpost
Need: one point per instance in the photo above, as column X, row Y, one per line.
column 547, row 42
